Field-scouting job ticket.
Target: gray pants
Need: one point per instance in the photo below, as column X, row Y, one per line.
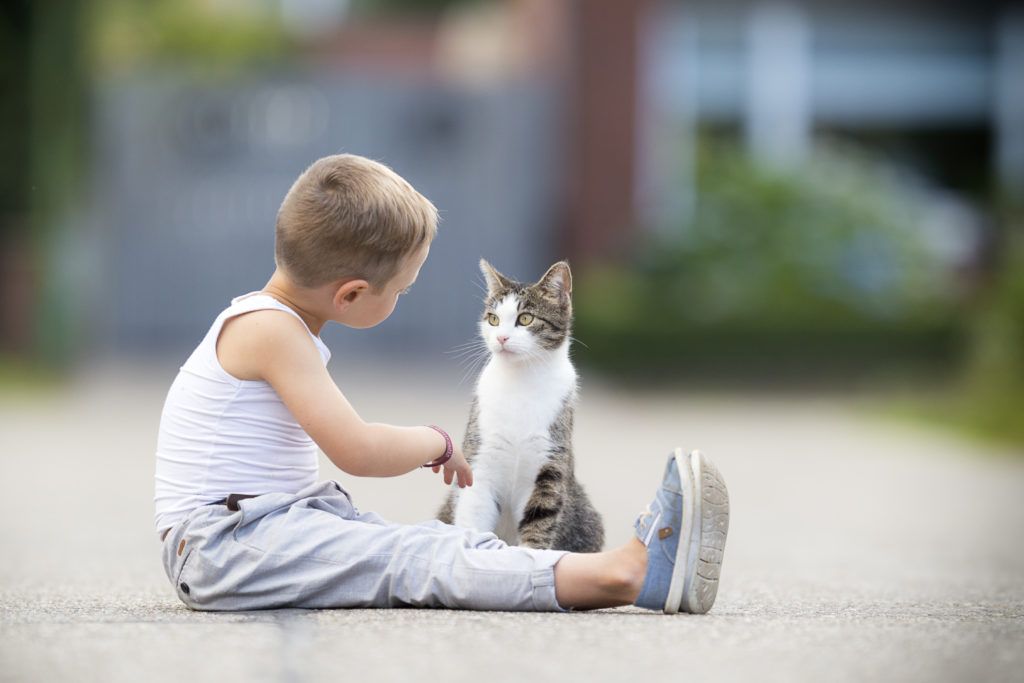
column 314, row 549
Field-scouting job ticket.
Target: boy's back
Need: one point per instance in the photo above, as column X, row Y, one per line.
column 221, row 435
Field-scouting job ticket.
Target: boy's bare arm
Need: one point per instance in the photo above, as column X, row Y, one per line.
column 274, row 346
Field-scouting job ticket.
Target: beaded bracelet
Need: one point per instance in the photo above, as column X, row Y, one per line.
column 448, row 448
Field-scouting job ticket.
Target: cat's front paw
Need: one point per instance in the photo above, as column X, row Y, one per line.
column 475, row 511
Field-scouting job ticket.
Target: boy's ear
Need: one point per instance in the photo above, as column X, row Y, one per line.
column 347, row 293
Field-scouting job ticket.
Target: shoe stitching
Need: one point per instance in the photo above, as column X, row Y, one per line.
column 650, row 530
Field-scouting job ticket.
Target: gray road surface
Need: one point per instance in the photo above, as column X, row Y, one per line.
column 860, row 550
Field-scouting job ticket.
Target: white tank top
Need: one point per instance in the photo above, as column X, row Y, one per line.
column 221, row 435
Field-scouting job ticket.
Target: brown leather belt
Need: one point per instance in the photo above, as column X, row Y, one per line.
column 231, row 501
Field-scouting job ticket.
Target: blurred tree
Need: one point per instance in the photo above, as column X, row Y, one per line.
column 14, row 106
column 58, row 76
column 992, row 401
column 208, row 36
column 407, row 7
column 42, row 120
column 15, row 25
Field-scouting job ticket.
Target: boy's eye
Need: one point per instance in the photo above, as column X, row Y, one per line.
column 525, row 319
column 492, row 319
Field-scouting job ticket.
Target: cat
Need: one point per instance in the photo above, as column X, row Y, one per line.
column 519, row 435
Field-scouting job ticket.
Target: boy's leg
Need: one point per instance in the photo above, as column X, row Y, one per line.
column 316, row 550
column 596, row 580
column 675, row 560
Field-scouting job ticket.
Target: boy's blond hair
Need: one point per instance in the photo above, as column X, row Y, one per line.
column 347, row 216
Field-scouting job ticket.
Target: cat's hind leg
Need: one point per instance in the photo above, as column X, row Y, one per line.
column 538, row 527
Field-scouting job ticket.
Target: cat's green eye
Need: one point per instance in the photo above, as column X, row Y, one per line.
column 492, row 319
column 525, row 319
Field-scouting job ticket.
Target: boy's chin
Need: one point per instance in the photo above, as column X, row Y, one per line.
column 360, row 326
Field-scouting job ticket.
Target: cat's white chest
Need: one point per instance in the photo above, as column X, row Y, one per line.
column 516, row 406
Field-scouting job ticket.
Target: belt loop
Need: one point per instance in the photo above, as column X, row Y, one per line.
column 232, row 500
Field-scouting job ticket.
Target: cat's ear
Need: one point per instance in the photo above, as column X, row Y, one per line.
column 495, row 280
column 558, row 280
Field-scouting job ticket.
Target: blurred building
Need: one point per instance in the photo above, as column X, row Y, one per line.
column 190, row 170
column 937, row 85
column 541, row 129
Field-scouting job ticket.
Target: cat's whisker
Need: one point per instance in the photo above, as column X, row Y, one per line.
column 468, row 344
column 468, row 353
column 574, row 340
column 463, row 352
column 473, row 368
column 532, row 354
column 466, row 348
column 472, row 355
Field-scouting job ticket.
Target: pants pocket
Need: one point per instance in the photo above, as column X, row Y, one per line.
column 186, row 555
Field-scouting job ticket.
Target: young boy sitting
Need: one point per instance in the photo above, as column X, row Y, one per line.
column 244, row 522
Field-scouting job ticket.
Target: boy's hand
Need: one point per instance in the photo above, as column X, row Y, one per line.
column 456, row 469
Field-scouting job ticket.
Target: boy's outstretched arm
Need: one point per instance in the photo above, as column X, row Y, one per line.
column 275, row 347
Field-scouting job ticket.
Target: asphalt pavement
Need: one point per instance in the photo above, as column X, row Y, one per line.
column 861, row 549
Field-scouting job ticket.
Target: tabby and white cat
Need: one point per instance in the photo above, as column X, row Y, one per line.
column 519, row 436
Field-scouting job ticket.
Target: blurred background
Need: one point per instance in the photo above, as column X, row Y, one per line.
column 765, row 194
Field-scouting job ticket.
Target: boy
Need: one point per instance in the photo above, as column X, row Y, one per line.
column 244, row 523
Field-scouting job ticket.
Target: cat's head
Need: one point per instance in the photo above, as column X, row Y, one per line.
column 526, row 321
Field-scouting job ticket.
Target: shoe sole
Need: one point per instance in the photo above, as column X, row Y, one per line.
column 698, row 564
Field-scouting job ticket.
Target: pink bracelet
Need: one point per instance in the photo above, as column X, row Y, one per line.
column 448, row 448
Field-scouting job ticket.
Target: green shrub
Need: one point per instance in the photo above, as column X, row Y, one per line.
column 992, row 398
column 186, row 33
column 825, row 267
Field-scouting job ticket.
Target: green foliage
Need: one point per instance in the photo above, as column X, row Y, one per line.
column 132, row 33
column 823, row 267
column 987, row 400
column 15, row 108
column 412, row 8
column 993, row 392
column 24, row 378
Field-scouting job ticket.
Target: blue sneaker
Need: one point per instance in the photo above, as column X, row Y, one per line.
column 684, row 529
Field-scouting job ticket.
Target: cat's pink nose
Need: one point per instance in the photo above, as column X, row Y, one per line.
column 502, row 339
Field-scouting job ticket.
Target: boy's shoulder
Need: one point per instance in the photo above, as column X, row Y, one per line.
column 250, row 341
